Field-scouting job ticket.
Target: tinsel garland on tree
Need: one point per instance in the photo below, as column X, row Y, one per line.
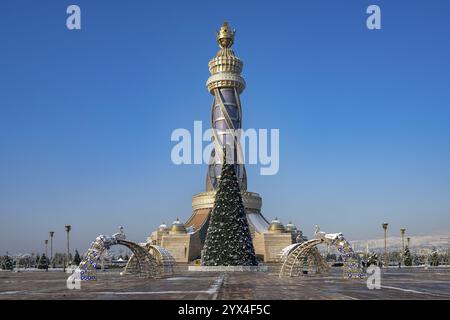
column 228, row 240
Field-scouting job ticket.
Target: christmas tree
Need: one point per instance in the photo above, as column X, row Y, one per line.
column 228, row 240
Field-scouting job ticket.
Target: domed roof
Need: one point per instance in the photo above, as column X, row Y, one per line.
column 276, row 226
column 177, row 227
column 163, row 227
column 290, row 227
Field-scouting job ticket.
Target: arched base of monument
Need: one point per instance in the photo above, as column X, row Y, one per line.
column 260, row 268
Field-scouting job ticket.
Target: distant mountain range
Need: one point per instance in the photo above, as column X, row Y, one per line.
column 440, row 241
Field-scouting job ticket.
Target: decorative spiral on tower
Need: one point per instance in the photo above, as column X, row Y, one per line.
column 225, row 84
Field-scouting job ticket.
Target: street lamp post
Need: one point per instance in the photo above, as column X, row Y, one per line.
column 402, row 232
column 51, row 245
column 408, row 240
column 46, row 246
column 386, row 259
column 68, row 228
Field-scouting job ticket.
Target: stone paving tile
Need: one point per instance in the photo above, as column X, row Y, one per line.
column 397, row 284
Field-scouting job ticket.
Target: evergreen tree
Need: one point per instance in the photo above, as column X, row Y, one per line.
column 43, row 262
column 372, row 259
column 7, row 263
column 434, row 258
column 407, row 259
column 58, row 259
column 77, row 258
column 228, row 240
column 446, row 258
column 418, row 260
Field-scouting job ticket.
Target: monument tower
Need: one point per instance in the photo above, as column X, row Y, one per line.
column 225, row 84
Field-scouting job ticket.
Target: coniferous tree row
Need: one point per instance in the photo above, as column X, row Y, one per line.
column 228, row 240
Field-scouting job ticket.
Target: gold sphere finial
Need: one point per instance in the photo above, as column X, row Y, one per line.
column 225, row 37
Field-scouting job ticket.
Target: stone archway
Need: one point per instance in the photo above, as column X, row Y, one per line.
column 146, row 264
column 298, row 256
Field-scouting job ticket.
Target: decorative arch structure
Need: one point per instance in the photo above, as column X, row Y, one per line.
column 299, row 257
column 145, row 264
column 163, row 258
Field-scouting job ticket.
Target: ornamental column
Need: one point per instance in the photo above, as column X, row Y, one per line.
column 225, row 84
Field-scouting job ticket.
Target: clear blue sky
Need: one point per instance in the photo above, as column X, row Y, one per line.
column 86, row 116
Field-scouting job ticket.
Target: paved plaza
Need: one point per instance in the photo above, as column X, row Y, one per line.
column 405, row 283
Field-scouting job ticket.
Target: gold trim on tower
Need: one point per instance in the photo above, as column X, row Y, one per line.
column 225, row 67
column 204, row 200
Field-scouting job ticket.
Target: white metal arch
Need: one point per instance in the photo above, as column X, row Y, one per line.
column 163, row 258
column 146, row 264
column 300, row 255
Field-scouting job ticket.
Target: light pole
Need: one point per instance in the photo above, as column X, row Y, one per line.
column 68, row 228
column 51, row 244
column 402, row 232
column 408, row 240
column 386, row 259
column 46, row 245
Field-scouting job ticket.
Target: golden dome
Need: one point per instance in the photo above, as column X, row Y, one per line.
column 276, row 226
column 177, row 227
column 163, row 227
column 290, row 227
